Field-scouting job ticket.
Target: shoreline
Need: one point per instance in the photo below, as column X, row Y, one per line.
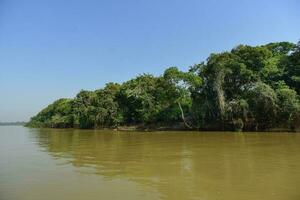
column 165, row 128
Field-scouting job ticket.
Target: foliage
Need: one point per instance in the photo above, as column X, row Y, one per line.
column 56, row 115
column 247, row 88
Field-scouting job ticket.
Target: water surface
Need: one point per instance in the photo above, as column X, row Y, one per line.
column 53, row 164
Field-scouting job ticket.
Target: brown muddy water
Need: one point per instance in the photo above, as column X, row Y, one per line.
column 50, row 164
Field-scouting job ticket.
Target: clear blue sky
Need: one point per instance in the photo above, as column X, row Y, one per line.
column 53, row 48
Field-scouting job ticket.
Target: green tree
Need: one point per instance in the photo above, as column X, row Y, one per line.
column 181, row 86
column 288, row 104
column 247, row 88
column 262, row 102
column 137, row 99
column 56, row 115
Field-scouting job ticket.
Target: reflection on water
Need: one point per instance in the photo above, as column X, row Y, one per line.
column 167, row 165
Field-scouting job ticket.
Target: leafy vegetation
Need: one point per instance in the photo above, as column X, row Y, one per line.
column 248, row 88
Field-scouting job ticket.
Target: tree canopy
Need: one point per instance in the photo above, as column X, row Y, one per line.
column 247, row 88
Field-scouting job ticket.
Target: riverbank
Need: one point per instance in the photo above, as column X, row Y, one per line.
column 232, row 91
column 177, row 127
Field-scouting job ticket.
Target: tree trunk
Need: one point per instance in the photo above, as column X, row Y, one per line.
column 220, row 93
column 182, row 116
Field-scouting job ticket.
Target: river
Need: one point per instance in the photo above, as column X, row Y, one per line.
column 49, row 164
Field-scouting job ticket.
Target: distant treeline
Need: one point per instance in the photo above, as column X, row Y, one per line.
column 248, row 88
column 12, row 123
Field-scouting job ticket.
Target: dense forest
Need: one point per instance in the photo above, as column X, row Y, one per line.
column 245, row 89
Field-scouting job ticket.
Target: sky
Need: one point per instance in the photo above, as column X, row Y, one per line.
column 54, row 48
